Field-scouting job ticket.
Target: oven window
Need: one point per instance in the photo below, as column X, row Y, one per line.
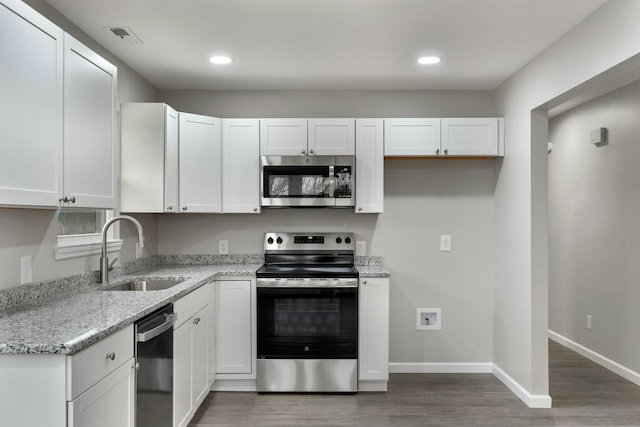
column 307, row 323
column 307, row 317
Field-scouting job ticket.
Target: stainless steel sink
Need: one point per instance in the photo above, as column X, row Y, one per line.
column 146, row 285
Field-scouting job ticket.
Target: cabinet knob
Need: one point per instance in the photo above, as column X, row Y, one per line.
column 437, row 151
column 310, row 151
column 184, row 208
column 196, row 320
column 111, row 356
column 364, row 282
column 72, row 199
column 303, row 152
column 255, row 209
column 360, row 209
column 169, row 208
column 66, row 199
column 446, row 151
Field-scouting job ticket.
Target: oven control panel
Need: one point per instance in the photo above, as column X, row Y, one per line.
column 309, row 241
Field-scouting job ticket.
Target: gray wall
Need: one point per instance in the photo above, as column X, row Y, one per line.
column 594, row 227
column 423, row 199
column 34, row 232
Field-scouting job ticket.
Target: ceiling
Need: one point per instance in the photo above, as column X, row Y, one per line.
column 327, row 44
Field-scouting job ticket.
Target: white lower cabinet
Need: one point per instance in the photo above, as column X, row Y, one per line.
column 84, row 389
column 108, row 403
column 373, row 345
column 190, row 354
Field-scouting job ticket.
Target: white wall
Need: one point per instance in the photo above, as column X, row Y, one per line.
column 33, row 232
column 520, row 297
column 594, row 231
column 423, row 199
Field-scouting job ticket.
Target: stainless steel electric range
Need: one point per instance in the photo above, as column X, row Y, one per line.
column 307, row 314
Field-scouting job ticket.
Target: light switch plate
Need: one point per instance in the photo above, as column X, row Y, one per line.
column 445, row 243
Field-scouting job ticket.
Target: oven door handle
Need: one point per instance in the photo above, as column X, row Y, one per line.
column 150, row 334
column 262, row 282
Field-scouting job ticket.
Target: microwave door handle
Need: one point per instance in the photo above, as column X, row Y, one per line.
column 332, row 182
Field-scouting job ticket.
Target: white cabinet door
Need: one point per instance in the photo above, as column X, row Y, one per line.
column 200, row 371
column 149, row 152
column 470, row 136
column 200, row 163
column 212, row 335
column 369, row 166
column 171, row 156
column 31, row 101
column 233, row 327
column 108, row 403
column 373, row 362
column 182, row 366
column 283, row 137
column 241, row 166
column 331, row 137
column 89, row 127
column 411, row 137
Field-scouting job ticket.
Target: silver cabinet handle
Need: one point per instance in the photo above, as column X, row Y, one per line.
column 446, row 151
column 66, row 199
column 360, row 209
column 111, row 356
column 169, row 208
column 364, row 282
column 303, row 152
column 255, row 209
column 184, row 208
column 310, row 151
column 196, row 320
column 437, row 151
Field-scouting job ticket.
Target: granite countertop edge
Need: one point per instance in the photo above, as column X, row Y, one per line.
column 72, row 322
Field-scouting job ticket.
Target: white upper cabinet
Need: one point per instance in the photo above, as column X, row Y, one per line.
column 283, row 137
column 411, row 137
column 307, row 137
column 369, row 166
column 200, row 163
column 466, row 137
column 241, row 165
column 149, row 152
column 472, row 136
column 331, row 137
column 90, row 94
column 31, row 101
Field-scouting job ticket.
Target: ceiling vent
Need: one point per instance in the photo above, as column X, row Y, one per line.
column 125, row 34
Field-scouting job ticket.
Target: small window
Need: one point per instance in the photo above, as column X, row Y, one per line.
column 80, row 233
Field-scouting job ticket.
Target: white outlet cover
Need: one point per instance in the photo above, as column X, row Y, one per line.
column 445, row 243
column 26, row 270
column 361, row 248
column 223, row 247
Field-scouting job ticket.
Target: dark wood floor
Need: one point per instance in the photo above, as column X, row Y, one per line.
column 584, row 394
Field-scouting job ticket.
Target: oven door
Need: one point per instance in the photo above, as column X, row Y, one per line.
column 307, row 322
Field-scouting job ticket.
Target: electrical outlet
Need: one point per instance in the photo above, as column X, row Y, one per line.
column 589, row 322
column 26, row 270
column 361, row 248
column 223, row 247
column 445, row 243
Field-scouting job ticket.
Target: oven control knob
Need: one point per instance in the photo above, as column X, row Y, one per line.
column 338, row 240
column 279, row 240
column 270, row 240
column 306, row 348
column 347, row 240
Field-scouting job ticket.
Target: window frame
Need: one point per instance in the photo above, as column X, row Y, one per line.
column 82, row 245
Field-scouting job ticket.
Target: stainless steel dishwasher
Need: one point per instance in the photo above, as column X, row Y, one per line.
column 154, row 363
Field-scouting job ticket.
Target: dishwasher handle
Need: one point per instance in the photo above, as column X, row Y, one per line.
column 145, row 336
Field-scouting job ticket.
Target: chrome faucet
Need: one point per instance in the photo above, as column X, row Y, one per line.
column 104, row 261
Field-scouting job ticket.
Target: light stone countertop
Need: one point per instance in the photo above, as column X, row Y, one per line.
column 73, row 321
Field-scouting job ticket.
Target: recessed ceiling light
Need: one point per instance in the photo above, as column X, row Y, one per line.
column 221, row 60
column 428, row 60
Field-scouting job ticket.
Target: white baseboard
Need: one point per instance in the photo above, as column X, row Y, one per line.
column 531, row 400
column 601, row 360
column 440, row 368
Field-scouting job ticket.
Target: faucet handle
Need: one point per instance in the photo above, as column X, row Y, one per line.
column 111, row 265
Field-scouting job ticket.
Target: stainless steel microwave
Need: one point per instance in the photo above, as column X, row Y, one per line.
column 307, row 181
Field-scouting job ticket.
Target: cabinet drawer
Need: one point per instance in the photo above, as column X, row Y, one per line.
column 92, row 364
column 190, row 304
